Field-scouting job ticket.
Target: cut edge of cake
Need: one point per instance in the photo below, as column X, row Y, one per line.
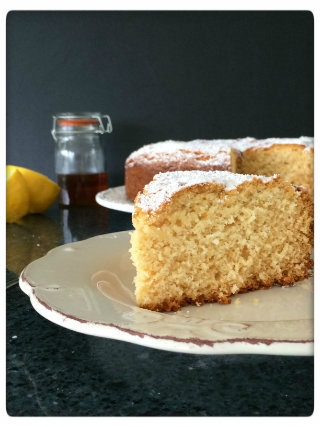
column 147, row 214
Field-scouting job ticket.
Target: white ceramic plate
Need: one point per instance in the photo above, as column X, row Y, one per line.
column 88, row 287
column 115, row 198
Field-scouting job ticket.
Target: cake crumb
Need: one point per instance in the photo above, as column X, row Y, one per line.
column 181, row 265
column 234, row 288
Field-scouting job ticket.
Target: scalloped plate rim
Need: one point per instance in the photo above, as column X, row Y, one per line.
column 111, row 331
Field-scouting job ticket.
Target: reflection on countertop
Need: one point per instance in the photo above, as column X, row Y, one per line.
column 30, row 239
column 36, row 234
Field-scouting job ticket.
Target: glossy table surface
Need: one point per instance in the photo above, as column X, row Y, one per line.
column 58, row 372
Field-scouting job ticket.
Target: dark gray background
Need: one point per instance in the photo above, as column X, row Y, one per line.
column 159, row 75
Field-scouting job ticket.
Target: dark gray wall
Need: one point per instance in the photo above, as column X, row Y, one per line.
column 159, row 75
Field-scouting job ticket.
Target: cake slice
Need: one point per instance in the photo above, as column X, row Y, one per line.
column 204, row 236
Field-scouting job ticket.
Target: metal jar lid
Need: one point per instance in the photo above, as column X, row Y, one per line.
column 79, row 123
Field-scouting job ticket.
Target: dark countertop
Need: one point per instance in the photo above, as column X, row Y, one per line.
column 58, row 372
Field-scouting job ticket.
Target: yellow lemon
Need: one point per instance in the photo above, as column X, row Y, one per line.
column 17, row 195
column 43, row 192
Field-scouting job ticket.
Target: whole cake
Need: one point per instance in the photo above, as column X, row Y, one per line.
column 204, row 236
column 292, row 158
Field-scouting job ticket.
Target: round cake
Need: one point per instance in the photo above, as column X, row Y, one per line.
column 292, row 158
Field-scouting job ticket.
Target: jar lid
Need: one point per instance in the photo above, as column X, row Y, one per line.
column 75, row 123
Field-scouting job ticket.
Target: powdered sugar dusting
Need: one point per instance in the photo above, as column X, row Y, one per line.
column 244, row 144
column 164, row 185
column 170, row 146
column 204, row 152
column 219, row 149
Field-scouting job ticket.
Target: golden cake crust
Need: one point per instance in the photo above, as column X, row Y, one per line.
column 141, row 173
column 205, row 155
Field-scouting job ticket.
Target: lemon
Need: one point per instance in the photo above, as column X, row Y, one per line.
column 17, row 195
column 43, row 192
column 28, row 192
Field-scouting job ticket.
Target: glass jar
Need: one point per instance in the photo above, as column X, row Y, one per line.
column 79, row 157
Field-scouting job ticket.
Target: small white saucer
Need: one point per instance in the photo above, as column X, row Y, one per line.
column 115, row 198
